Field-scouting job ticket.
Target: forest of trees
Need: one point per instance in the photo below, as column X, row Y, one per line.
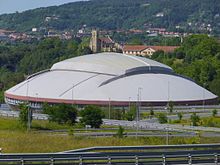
column 190, row 15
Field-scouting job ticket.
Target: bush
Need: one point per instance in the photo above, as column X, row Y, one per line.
column 195, row 119
column 214, row 113
column 120, row 132
column 71, row 131
column 130, row 115
column 180, row 116
column 91, row 115
column 23, row 115
column 210, row 123
column 162, row 118
column 170, row 107
column 151, row 112
column 62, row 114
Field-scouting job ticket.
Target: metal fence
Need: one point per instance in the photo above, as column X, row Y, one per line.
column 123, row 155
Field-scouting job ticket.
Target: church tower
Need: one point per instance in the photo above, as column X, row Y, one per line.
column 94, row 42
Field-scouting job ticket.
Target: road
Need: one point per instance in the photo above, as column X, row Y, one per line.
column 157, row 126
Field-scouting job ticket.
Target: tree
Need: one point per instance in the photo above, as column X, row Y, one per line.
column 214, row 112
column 62, row 113
column 162, row 118
column 23, row 115
column 91, row 115
column 170, row 107
column 195, row 119
column 131, row 114
column 135, row 41
column 180, row 116
column 120, row 132
column 116, row 114
column 151, row 112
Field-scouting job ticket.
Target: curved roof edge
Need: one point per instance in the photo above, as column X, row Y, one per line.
column 115, row 103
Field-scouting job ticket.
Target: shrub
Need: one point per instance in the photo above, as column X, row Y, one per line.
column 180, row 116
column 91, row 115
column 120, row 132
column 131, row 114
column 23, row 115
column 61, row 114
column 214, row 112
column 162, row 118
column 151, row 112
column 195, row 119
column 170, row 107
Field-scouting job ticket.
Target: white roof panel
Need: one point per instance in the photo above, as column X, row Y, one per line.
column 109, row 63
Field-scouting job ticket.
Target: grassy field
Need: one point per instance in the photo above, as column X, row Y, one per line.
column 204, row 121
column 13, row 139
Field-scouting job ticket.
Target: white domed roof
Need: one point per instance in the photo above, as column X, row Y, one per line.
column 107, row 63
column 98, row 78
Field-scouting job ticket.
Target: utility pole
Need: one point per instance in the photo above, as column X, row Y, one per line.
column 138, row 109
column 129, row 104
column 109, row 108
column 72, row 95
column 203, row 95
column 29, row 110
column 168, row 99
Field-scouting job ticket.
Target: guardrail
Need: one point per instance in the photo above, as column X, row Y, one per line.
column 123, row 155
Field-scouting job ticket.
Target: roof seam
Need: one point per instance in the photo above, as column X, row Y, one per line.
column 74, row 85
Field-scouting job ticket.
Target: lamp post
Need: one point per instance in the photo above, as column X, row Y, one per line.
column 167, row 109
column 138, row 109
column 72, row 95
column 36, row 100
column 129, row 104
column 109, row 108
column 29, row 110
column 203, row 95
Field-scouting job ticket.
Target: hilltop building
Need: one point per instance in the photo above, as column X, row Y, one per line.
column 103, row 44
column 108, row 78
column 144, row 50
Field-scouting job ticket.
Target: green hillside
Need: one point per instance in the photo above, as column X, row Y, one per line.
column 190, row 15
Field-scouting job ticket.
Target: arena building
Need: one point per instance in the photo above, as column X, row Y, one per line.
column 108, row 78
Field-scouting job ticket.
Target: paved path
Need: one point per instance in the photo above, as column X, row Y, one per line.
column 157, row 126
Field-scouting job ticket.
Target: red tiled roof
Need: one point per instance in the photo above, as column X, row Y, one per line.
column 106, row 40
column 134, row 47
column 143, row 47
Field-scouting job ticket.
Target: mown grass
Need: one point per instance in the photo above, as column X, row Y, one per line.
column 14, row 139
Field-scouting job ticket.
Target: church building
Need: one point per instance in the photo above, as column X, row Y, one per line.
column 103, row 44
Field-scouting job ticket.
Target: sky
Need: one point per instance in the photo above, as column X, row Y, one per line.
column 11, row 6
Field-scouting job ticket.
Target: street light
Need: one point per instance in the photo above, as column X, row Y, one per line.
column 167, row 109
column 109, row 108
column 166, row 128
column 138, row 109
column 203, row 95
column 129, row 104
column 72, row 95
column 36, row 101
column 139, row 102
column 29, row 110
